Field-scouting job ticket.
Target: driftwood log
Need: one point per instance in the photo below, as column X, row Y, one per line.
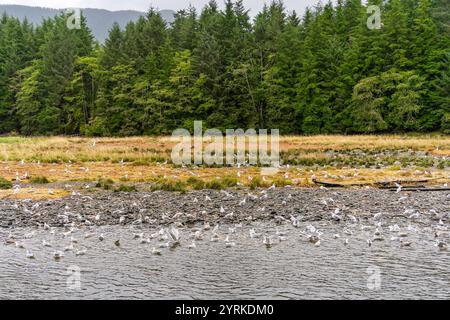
column 390, row 185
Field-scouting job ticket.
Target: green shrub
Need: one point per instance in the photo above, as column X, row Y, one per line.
column 106, row 184
column 196, row 183
column 166, row 185
column 257, row 182
column 126, row 188
column 39, row 180
column 215, row 185
column 5, row 184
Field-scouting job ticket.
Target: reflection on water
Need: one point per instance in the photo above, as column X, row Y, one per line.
column 294, row 269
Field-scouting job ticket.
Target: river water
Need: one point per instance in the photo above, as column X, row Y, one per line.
column 292, row 269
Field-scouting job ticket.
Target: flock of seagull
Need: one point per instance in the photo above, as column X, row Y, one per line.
column 173, row 236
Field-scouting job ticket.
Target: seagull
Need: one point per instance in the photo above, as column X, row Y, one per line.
column 215, row 238
column 46, row 244
column 405, row 243
column 88, row 235
column 156, row 252
column 369, row 242
column 175, row 235
column 313, row 239
column 122, row 219
column 138, row 236
column 30, row 255
column 442, row 245
column 192, row 245
column 81, row 252
column 164, row 245
column 254, row 235
column 58, row 255
column 280, row 233
column 230, row 244
column 198, row 235
column 377, row 216
column 394, row 228
column 101, row 237
column 268, row 242
column 19, row 245
column 222, row 210
column 206, row 226
column 346, row 242
column 229, row 216
column 335, row 216
column 399, row 187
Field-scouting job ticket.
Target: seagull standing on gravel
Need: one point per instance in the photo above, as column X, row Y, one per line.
column 175, row 235
column 229, row 243
column 254, row 235
column 192, row 245
column 57, row 255
column 268, row 242
column 229, row 216
column 46, row 244
column 442, row 246
column 156, row 252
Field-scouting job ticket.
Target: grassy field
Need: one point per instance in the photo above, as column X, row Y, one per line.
column 122, row 163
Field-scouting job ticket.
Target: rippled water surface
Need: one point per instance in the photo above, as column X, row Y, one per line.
column 294, row 269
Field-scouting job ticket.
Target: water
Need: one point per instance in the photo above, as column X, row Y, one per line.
column 295, row 269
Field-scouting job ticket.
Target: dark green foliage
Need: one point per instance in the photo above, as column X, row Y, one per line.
column 325, row 72
column 5, row 184
column 126, row 188
column 39, row 180
column 106, row 184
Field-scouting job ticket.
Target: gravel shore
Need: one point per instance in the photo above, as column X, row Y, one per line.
column 232, row 206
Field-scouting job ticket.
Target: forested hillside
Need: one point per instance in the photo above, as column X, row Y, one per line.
column 98, row 20
column 325, row 72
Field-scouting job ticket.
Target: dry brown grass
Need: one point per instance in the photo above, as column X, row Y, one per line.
column 152, row 149
column 33, row 194
column 62, row 159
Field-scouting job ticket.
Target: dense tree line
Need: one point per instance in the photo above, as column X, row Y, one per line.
column 325, row 72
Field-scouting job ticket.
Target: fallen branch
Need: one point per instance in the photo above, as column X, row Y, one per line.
column 393, row 182
column 425, row 189
column 384, row 185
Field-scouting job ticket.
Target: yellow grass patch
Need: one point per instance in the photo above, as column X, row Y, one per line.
column 33, row 194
